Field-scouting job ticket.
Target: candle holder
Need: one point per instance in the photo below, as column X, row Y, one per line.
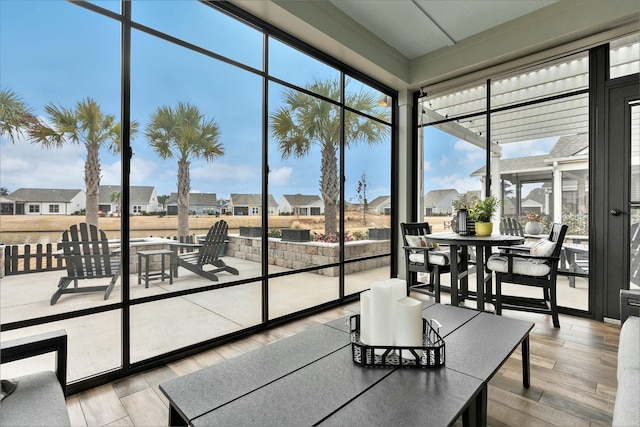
column 430, row 355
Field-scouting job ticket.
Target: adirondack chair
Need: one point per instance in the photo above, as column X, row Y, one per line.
column 208, row 254
column 85, row 250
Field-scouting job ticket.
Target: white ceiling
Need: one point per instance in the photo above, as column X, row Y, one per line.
column 435, row 23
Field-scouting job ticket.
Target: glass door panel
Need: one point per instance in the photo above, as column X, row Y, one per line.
column 634, row 229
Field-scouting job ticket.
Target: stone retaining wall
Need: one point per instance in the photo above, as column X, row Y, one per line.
column 296, row 255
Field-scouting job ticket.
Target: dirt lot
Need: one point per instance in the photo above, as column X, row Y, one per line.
column 21, row 229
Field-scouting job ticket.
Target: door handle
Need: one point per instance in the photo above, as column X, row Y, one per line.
column 617, row 212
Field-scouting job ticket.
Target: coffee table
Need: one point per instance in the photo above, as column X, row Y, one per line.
column 310, row 379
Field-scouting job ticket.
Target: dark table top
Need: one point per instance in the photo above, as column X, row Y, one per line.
column 457, row 239
column 204, row 390
column 310, row 378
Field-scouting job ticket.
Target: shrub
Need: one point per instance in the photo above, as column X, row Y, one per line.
column 578, row 223
column 274, row 233
column 330, row 238
column 360, row 235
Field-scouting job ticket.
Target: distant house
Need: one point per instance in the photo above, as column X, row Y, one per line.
column 142, row 199
column 380, row 205
column 199, row 204
column 569, row 159
column 300, row 204
column 7, row 206
column 47, row 201
column 440, row 202
column 250, row 204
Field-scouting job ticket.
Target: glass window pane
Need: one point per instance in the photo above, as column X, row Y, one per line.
column 546, row 180
column 214, row 161
column 94, row 345
column 156, row 329
column 47, row 182
column 367, row 181
column 300, row 69
column 199, row 24
column 368, row 100
column 624, row 56
column 297, row 292
column 304, row 170
column 452, row 173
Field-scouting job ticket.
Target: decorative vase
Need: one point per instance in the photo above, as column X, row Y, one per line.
column 484, row 228
column 533, row 228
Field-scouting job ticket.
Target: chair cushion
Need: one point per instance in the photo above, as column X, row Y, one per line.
column 626, row 411
column 629, row 348
column 435, row 257
column 543, row 247
column 525, row 267
column 419, row 241
column 37, row 401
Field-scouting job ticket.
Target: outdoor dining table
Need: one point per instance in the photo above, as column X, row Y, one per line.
column 483, row 245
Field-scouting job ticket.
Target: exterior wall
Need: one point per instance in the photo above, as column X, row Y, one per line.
column 295, row 255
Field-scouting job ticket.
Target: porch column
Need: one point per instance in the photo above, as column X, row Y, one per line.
column 557, row 194
column 496, row 185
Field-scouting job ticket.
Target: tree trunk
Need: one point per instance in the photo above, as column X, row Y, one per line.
column 184, row 186
column 329, row 187
column 92, row 183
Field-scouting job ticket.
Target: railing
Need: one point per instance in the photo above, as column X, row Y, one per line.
column 45, row 257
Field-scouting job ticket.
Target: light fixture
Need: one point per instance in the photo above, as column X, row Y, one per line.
column 384, row 100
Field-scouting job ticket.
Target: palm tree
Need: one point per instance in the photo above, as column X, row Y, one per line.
column 465, row 201
column 86, row 124
column 183, row 133
column 15, row 115
column 304, row 121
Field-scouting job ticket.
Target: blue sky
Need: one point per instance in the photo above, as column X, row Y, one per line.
column 53, row 51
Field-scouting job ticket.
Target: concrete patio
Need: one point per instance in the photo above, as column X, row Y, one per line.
column 169, row 324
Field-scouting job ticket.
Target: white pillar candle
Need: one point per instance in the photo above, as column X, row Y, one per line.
column 381, row 322
column 408, row 331
column 398, row 291
column 365, row 317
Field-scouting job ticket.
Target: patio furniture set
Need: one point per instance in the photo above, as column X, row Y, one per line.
column 85, row 250
column 535, row 265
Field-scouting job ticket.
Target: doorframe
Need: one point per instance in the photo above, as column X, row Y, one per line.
column 607, row 281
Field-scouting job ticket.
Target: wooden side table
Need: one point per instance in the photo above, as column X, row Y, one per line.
column 146, row 255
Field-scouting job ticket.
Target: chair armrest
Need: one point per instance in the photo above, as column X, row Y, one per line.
column 527, row 256
column 515, row 248
column 628, row 299
column 22, row 348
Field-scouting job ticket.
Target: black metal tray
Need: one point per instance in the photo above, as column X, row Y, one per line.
column 433, row 350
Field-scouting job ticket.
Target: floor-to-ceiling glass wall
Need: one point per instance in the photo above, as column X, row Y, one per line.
column 539, row 151
column 208, row 142
column 59, row 145
column 198, row 150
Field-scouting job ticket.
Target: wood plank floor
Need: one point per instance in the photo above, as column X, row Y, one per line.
column 573, row 377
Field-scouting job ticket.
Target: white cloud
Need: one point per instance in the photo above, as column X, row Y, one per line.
column 462, row 184
column 428, row 167
column 280, row 176
column 219, row 172
column 535, row 147
column 444, row 161
column 26, row 165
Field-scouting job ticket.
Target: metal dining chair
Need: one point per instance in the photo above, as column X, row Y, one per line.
column 538, row 268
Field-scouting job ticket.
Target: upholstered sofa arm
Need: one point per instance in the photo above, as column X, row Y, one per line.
column 629, row 303
column 22, row 348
